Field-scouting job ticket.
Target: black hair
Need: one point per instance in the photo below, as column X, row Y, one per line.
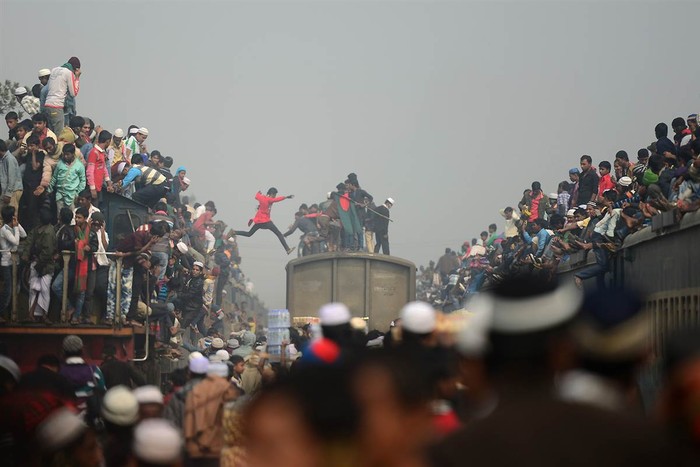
column 33, row 139
column 557, row 221
column 36, row 90
column 83, row 212
column 581, row 212
column 3, row 146
column 587, row 158
column 643, row 153
column 76, row 122
column 26, row 124
column 695, row 146
column 610, row 195
column 272, row 190
column 678, row 122
column 541, row 222
column 493, row 227
column 46, row 216
column 85, row 193
column 160, row 228
column 236, row 359
column 136, row 159
column 622, row 155
column 155, row 262
column 661, row 130
column 508, row 209
column 155, row 152
column 685, row 155
column 7, row 213
column 656, row 163
column 604, row 165
column 40, row 117
column 48, row 360
column 484, row 234
column 48, row 140
column 104, row 136
column 160, row 206
column 11, row 116
column 565, row 186
column 68, row 148
column 536, row 186
column 179, row 377
column 167, row 162
column 66, row 215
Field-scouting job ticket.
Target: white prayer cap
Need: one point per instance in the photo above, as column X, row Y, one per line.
column 59, row 429
column 333, row 314
column 199, row 264
column 44, row 72
column 625, row 181
column 194, row 355
column 199, row 365
column 390, row 200
column 119, row 133
column 143, row 130
column 218, row 369
column 10, row 366
column 521, row 315
column 217, row 343
column 182, row 247
column 133, row 131
column 223, row 355
column 418, row 317
column 148, row 395
column 20, row 90
column 121, row 166
column 472, row 339
column 120, row 406
column 552, row 196
column 157, row 441
column 571, row 212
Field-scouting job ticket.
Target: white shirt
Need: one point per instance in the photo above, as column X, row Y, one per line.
column 9, row 240
column 100, row 256
column 90, row 211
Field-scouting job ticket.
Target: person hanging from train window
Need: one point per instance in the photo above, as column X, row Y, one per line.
column 190, row 298
column 262, row 217
column 40, row 251
column 10, row 234
column 129, row 250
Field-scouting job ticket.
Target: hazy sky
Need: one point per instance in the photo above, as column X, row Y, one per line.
column 451, row 108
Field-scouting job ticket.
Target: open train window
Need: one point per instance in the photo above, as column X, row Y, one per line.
column 124, row 224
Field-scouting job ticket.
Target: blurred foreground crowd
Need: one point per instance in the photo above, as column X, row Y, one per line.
column 590, row 213
column 537, row 375
column 58, row 171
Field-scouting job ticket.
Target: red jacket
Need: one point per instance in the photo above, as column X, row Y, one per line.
column 96, row 171
column 265, row 206
column 605, row 183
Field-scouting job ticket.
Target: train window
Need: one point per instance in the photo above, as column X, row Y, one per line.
column 123, row 225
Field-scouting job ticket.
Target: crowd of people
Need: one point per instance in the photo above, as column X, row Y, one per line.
column 348, row 220
column 600, row 204
column 57, row 170
column 540, row 375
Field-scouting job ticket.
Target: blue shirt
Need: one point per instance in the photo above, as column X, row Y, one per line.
column 541, row 236
column 131, row 175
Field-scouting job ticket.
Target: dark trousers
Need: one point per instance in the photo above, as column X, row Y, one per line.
column 97, row 283
column 382, row 241
column 150, row 194
column 6, row 297
column 267, row 226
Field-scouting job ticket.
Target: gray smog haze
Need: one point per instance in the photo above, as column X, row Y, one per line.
column 451, row 108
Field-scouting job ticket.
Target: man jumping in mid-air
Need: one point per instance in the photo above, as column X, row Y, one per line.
column 262, row 217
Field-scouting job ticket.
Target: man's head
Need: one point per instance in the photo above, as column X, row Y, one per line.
column 86, row 128
column 678, row 125
column 33, row 142
column 11, row 120
column 389, row 203
column 604, row 167
column 156, row 158
column 72, row 346
column 141, row 135
column 49, row 145
column 40, row 121
column 272, row 191
column 68, row 154
column 493, row 228
column 20, row 93
column 197, row 269
column 65, row 215
column 50, row 362
column 539, row 224
column 643, row 156
column 45, row 216
column 76, row 124
column 484, row 235
column 75, row 63
column 97, row 221
column 661, row 130
column 159, row 229
column 536, row 188
column 238, row 364
column 81, row 215
column 8, row 214
column 104, row 138
column 692, row 121
column 623, row 158
column 586, row 163
column 118, row 137
column 84, row 198
column 44, row 75
column 508, row 212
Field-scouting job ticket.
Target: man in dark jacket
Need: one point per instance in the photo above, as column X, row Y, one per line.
column 47, row 378
column 117, row 372
column 381, row 226
column 587, row 181
column 190, row 299
column 524, row 355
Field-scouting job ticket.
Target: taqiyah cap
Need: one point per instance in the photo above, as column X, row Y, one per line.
column 418, row 317
column 59, row 429
column 199, row 365
column 625, row 181
column 148, row 395
column 20, row 90
column 157, row 442
column 119, row 133
column 44, row 72
column 119, row 406
column 72, row 343
column 11, row 367
column 334, row 314
column 143, row 131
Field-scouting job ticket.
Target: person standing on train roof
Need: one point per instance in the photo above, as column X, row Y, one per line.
column 262, row 218
column 381, row 226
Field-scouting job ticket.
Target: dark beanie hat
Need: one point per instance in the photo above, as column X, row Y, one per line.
column 75, row 61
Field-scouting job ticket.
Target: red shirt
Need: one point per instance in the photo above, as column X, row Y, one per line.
column 605, row 183
column 535, row 207
column 96, row 171
column 265, row 206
